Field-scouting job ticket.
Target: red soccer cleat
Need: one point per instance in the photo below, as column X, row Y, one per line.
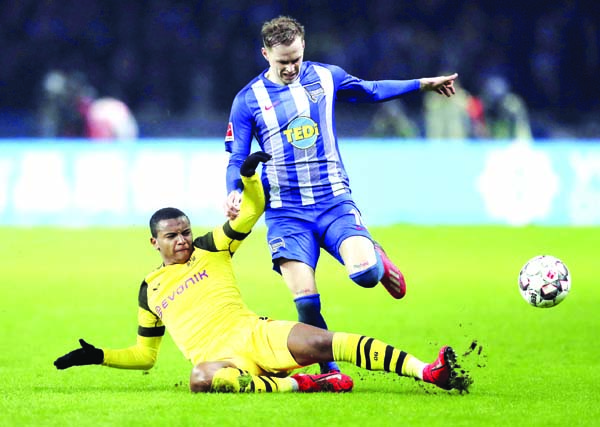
column 392, row 280
column 444, row 372
column 335, row 382
column 441, row 370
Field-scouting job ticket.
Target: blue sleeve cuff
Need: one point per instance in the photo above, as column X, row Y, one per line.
column 233, row 178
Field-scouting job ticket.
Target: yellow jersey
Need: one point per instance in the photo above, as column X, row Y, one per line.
column 198, row 302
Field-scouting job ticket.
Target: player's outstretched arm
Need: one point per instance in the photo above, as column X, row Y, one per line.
column 444, row 85
column 252, row 203
column 247, row 169
column 86, row 355
column 142, row 355
column 251, row 207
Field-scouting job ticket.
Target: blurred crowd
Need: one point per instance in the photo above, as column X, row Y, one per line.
column 178, row 64
column 70, row 107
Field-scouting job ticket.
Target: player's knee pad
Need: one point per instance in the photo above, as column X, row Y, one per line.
column 369, row 277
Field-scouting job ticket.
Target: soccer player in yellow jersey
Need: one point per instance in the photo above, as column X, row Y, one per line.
column 194, row 295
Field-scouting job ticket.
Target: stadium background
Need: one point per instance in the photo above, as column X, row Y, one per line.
column 178, row 64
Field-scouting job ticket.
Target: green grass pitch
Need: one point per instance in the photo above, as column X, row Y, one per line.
column 531, row 366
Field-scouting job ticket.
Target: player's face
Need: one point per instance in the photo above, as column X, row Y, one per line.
column 284, row 61
column 173, row 240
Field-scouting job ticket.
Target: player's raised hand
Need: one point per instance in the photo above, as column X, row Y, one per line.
column 249, row 166
column 86, row 355
column 444, row 85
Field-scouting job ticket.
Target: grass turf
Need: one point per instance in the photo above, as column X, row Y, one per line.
column 531, row 366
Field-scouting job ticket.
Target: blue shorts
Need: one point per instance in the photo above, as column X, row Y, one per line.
column 299, row 233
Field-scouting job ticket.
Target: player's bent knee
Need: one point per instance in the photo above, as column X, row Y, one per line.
column 203, row 374
column 368, row 277
column 200, row 380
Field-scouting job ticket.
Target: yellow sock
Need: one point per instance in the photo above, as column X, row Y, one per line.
column 234, row 380
column 374, row 355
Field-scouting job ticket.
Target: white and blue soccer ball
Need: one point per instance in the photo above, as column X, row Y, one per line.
column 544, row 281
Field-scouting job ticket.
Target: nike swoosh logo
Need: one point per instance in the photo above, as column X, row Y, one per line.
column 268, row 107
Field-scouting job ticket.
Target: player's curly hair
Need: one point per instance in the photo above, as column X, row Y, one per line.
column 281, row 30
column 161, row 214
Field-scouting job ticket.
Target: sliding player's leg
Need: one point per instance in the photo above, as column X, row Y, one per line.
column 309, row 345
column 225, row 377
column 258, row 360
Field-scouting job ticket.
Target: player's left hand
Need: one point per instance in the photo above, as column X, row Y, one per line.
column 444, row 85
column 86, row 355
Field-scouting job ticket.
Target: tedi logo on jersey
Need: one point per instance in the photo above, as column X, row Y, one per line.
column 302, row 132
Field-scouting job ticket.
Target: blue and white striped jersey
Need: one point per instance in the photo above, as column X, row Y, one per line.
column 295, row 123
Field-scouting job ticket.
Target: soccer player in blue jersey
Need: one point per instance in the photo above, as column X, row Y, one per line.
column 289, row 109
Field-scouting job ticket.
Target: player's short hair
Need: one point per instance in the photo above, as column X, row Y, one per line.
column 162, row 214
column 281, row 30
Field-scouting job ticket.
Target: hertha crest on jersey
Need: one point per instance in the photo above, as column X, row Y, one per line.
column 314, row 91
column 229, row 133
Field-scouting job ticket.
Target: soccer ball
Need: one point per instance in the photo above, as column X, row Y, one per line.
column 544, row 281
